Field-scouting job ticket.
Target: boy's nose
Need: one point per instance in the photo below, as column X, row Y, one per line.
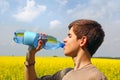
column 64, row 40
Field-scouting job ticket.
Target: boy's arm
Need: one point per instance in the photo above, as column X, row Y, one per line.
column 29, row 71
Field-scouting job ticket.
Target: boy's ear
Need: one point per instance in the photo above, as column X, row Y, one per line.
column 83, row 41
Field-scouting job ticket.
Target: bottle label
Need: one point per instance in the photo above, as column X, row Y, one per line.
column 30, row 38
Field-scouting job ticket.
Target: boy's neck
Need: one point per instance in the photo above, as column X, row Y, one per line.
column 81, row 60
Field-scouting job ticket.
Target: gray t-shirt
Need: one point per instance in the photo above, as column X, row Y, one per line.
column 88, row 72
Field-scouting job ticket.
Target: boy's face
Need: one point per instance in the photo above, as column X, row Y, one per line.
column 71, row 44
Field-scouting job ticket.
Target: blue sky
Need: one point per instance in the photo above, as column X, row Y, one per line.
column 52, row 17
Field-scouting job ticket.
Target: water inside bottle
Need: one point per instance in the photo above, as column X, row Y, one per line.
column 52, row 43
column 51, row 40
column 19, row 34
column 18, row 38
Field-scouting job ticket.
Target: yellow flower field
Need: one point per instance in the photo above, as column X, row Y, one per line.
column 12, row 67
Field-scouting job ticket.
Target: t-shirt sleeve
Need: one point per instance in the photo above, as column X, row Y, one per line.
column 98, row 76
column 57, row 76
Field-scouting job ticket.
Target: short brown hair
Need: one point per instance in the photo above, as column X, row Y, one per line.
column 92, row 30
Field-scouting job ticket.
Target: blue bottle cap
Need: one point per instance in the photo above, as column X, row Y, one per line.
column 62, row 45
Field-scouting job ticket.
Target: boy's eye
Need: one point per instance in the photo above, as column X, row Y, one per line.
column 69, row 35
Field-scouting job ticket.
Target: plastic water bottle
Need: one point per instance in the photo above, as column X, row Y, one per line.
column 31, row 39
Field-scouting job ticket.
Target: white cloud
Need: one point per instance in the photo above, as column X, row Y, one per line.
column 96, row 9
column 55, row 23
column 82, row 11
column 62, row 2
column 4, row 6
column 29, row 12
